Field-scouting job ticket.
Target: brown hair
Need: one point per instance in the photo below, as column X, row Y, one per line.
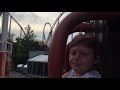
column 89, row 41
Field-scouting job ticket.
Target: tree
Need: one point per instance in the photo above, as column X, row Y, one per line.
column 11, row 38
column 29, row 33
column 22, row 46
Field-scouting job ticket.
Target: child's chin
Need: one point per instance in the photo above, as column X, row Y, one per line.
column 76, row 69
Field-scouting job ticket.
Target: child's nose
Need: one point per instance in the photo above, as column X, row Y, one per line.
column 77, row 56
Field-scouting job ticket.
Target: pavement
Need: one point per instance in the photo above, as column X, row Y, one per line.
column 15, row 74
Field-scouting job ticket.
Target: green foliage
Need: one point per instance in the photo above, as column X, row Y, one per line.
column 11, row 38
column 22, row 46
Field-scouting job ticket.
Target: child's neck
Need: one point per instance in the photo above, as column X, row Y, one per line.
column 76, row 73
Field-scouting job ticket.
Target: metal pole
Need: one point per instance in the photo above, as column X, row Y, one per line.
column 43, row 69
column 9, row 29
column 4, row 40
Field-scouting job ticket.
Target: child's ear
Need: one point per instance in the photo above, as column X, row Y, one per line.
column 97, row 59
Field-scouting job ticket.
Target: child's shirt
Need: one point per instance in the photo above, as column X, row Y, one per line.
column 90, row 74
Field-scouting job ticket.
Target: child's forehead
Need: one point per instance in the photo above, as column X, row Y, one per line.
column 81, row 47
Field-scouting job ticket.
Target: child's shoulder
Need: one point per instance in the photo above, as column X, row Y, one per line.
column 91, row 74
column 65, row 75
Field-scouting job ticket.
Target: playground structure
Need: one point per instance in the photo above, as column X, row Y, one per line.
column 5, row 48
column 5, row 45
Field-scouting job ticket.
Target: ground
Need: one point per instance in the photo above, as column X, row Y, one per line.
column 15, row 74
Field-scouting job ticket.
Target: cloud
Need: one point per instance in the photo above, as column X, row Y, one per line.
column 36, row 20
column 28, row 18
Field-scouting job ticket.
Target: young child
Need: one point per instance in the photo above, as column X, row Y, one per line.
column 84, row 54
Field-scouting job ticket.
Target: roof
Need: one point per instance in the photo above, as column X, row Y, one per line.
column 39, row 58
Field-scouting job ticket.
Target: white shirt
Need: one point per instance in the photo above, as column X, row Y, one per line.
column 90, row 74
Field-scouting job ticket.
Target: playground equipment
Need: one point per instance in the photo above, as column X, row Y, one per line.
column 5, row 48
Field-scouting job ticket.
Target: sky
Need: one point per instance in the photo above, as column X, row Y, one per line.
column 36, row 20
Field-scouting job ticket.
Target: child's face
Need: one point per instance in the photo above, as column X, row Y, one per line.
column 81, row 58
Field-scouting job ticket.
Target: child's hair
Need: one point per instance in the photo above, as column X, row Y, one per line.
column 89, row 41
